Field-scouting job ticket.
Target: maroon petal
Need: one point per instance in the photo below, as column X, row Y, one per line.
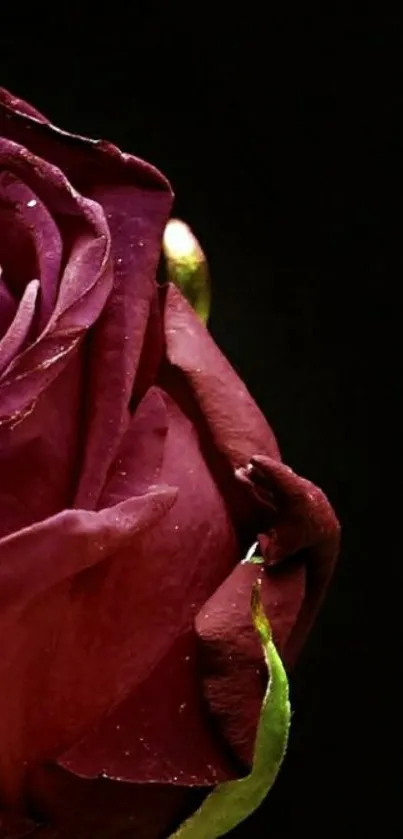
column 306, row 528
column 300, row 551
column 95, row 638
column 71, row 807
column 16, row 104
column 136, row 200
column 234, row 675
column 152, row 741
column 136, row 220
column 151, row 737
column 84, row 285
column 16, row 336
column 44, row 637
column 141, row 454
column 40, row 385
column 237, row 426
column 8, row 305
column 30, row 220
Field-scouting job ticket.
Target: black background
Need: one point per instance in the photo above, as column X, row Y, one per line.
column 281, row 139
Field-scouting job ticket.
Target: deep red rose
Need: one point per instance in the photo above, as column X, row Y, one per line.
column 136, row 471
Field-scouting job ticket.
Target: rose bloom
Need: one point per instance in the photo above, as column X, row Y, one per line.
column 135, row 472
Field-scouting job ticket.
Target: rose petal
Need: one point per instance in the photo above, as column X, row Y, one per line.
column 84, row 286
column 8, row 305
column 18, row 257
column 152, row 738
column 152, row 352
column 238, row 427
column 26, row 573
column 149, row 742
column 94, row 639
column 16, row 104
column 40, row 454
column 45, row 639
column 136, row 220
column 136, row 199
column 141, row 453
column 306, row 527
column 18, row 332
column 300, row 551
column 29, row 215
column 234, row 675
column 40, row 390
column 101, row 808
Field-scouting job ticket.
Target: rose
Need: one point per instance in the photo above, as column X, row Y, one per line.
column 136, row 471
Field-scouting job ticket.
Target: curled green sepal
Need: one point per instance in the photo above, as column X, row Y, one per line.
column 233, row 801
column 187, row 266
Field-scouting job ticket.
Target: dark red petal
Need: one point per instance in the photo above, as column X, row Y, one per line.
column 92, row 640
column 234, row 676
column 238, row 427
column 136, row 200
column 300, row 551
column 19, row 105
column 8, row 305
column 152, row 351
column 40, row 385
column 136, row 222
column 40, row 454
column 75, row 808
column 28, row 217
column 306, row 527
column 160, row 737
column 84, row 287
column 18, row 332
column 141, row 454
column 54, row 661
column 161, row 733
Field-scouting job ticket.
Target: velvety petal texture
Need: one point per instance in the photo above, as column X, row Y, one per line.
column 135, row 472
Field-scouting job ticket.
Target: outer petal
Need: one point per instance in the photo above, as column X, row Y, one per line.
column 306, row 526
column 38, row 619
column 92, row 639
column 16, row 104
column 237, row 426
column 230, row 425
column 136, row 200
column 300, row 552
column 103, row 809
column 155, row 755
column 234, row 674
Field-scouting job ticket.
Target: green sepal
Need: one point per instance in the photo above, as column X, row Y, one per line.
column 187, row 267
column 233, row 801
